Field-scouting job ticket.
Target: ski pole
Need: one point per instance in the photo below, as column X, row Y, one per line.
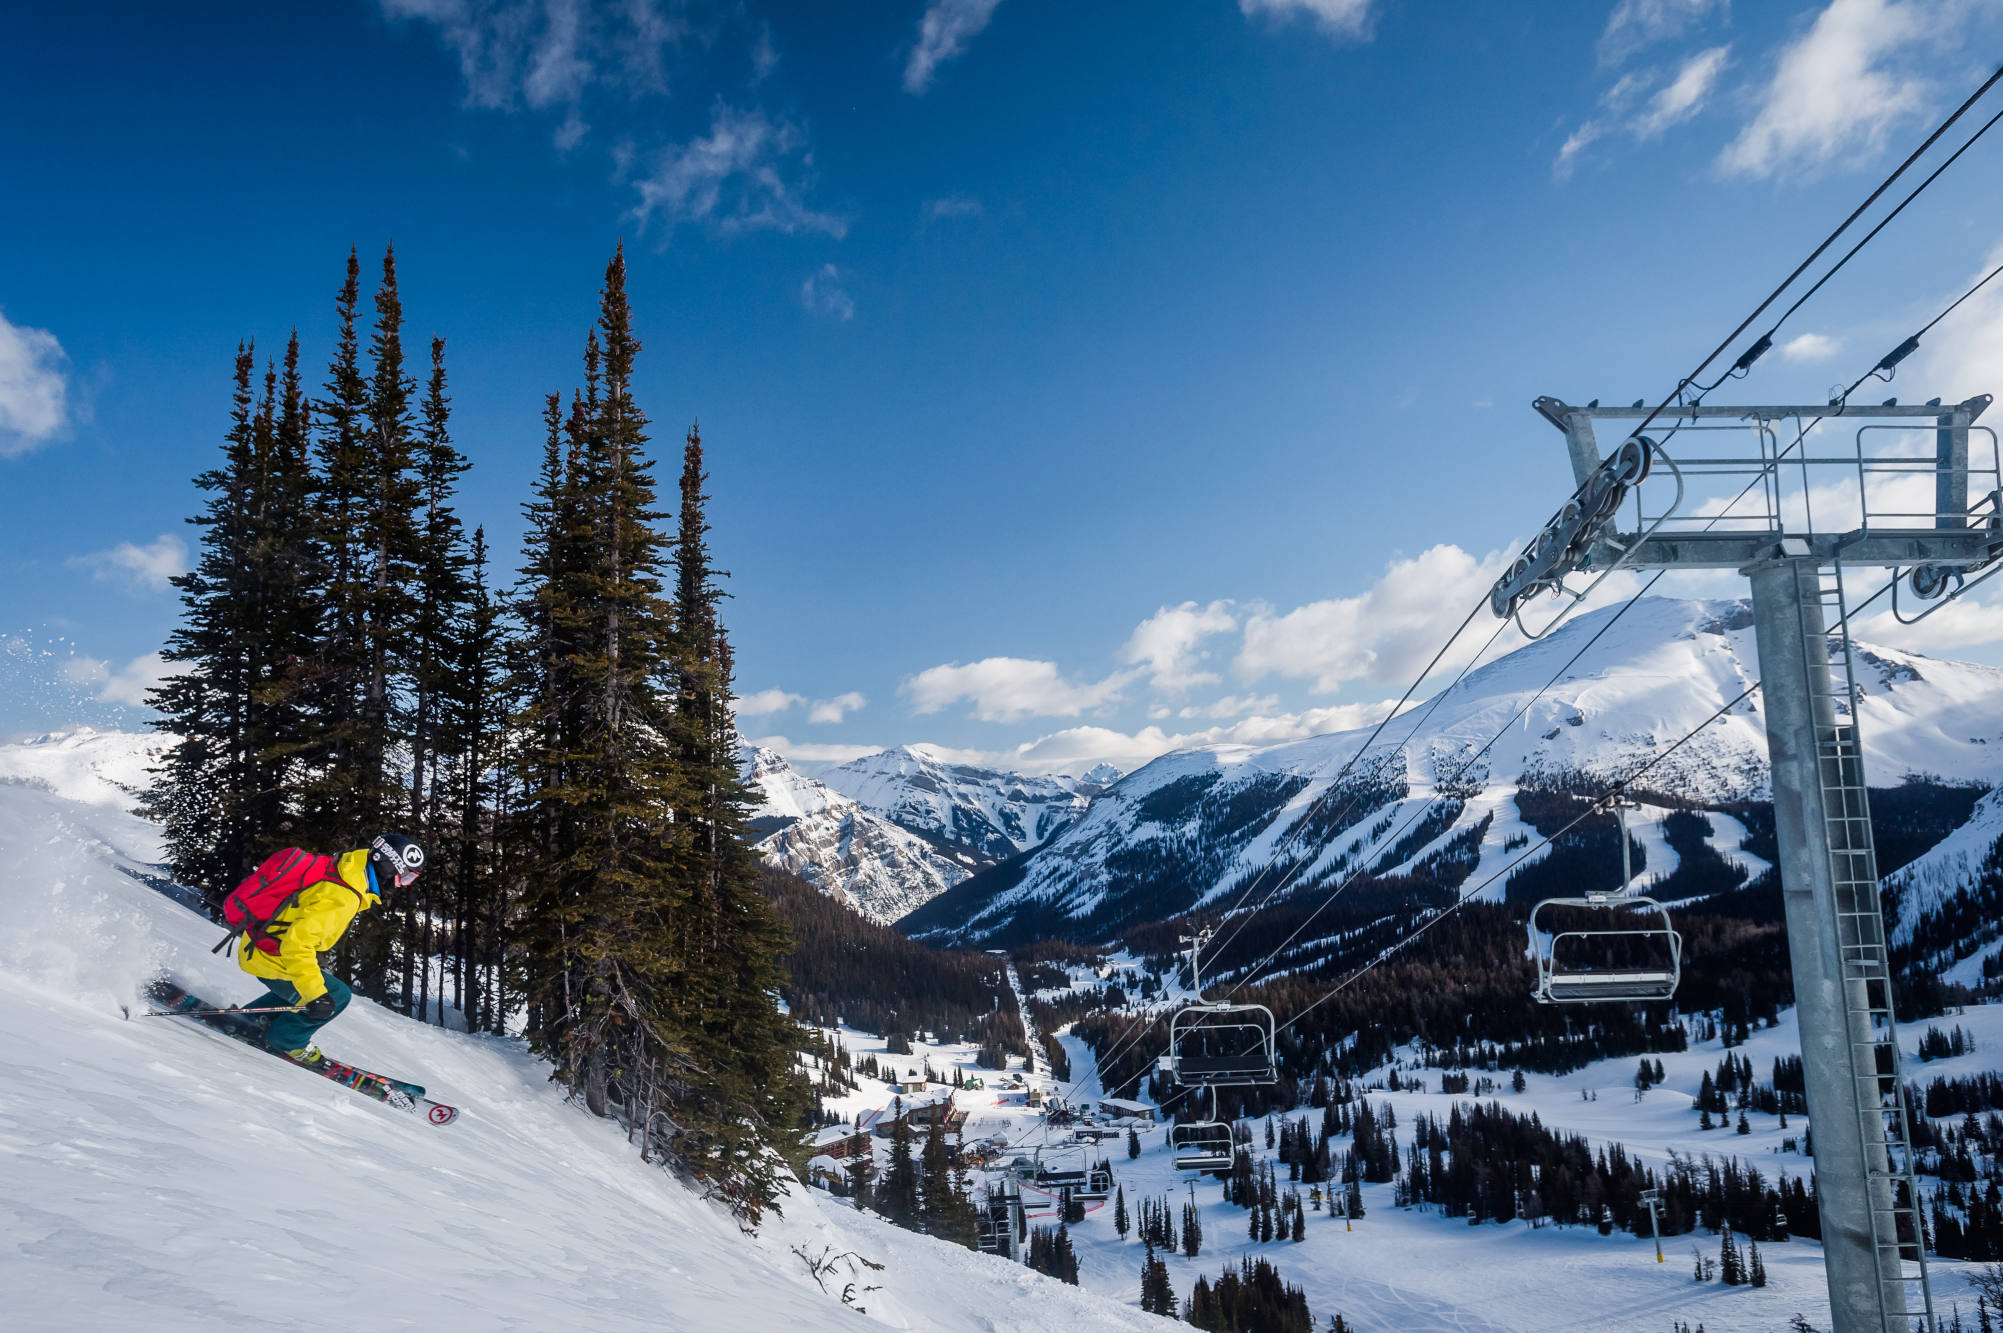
column 204, row 1013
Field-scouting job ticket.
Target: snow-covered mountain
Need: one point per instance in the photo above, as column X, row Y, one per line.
column 84, row 764
column 995, row 815
column 843, row 849
column 1195, row 826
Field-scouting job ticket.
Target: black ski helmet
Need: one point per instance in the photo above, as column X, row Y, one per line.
column 395, row 859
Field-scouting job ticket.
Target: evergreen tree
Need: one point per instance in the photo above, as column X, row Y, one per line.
column 1757, row 1271
column 1157, row 1295
column 650, row 949
column 1133, row 1144
column 946, row 1210
column 1192, row 1231
column 444, row 616
column 1120, row 1221
column 224, row 791
column 897, row 1191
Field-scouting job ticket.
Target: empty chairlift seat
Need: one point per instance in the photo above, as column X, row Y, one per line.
column 1203, row 1145
column 1221, row 1046
column 1604, row 949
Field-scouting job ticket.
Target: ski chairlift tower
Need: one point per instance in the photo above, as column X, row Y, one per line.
column 1214, row 1045
column 1635, row 957
column 1832, row 485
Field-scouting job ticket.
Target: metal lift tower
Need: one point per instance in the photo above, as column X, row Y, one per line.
column 1790, row 496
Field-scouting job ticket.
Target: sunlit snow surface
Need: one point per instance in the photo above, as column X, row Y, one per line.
column 155, row 1176
column 1416, row 1271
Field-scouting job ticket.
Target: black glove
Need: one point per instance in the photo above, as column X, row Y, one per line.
column 319, row 1009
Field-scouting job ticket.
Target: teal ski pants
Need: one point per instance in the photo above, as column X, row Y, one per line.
column 288, row 1032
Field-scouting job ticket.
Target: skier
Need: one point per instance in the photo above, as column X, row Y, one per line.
column 310, row 922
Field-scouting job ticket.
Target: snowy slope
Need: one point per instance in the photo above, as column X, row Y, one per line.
column 996, row 815
column 1964, row 860
column 160, row 1177
column 839, row 847
column 1191, row 827
column 99, row 767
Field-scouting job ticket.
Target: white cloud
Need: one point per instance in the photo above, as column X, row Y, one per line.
column 837, row 708
column 952, row 206
column 1675, row 102
column 1385, row 634
column 129, row 684
column 1684, row 96
column 34, row 390
column 1963, row 355
column 545, row 54
column 1231, row 705
column 1575, row 143
column 150, row 566
column 1345, row 20
column 808, row 752
column 764, row 703
column 1009, row 689
column 943, row 33
column 1832, row 94
column 1076, row 749
column 823, row 294
column 1638, row 24
column 734, row 179
column 1809, row 348
column 1166, row 643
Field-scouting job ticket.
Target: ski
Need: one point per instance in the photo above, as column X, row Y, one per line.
column 248, row 1026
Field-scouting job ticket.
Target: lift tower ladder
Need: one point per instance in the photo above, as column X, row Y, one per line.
column 1859, row 918
column 1832, row 486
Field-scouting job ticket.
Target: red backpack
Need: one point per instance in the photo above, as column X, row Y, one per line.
column 269, row 890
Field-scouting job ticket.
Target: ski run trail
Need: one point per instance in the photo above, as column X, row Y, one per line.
column 157, row 1176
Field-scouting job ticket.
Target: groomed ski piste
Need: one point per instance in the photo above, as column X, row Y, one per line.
column 157, row 1176
column 1417, row 1271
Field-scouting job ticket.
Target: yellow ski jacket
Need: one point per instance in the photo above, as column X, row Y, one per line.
column 312, row 924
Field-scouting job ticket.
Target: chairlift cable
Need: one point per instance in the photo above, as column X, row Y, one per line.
column 1137, row 1033
column 1886, row 220
column 1684, row 384
column 1850, row 254
column 1245, row 978
column 1754, row 353
column 1620, row 789
column 1957, row 301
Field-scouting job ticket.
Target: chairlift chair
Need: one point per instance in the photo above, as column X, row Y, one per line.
column 1216, row 1045
column 1203, row 1145
column 1600, row 965
column 1569, row 973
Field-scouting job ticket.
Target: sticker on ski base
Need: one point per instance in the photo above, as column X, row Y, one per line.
column 441, row 1114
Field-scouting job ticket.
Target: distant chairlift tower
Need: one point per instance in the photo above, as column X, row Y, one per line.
column 1822, row 496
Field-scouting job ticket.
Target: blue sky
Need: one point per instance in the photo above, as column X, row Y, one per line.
column 1078, row 380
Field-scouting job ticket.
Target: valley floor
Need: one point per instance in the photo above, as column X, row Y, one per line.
column 1416, row 1271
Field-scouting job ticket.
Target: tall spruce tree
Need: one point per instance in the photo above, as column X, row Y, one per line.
column 223, row 790
column 330, row 745
column 740, row 1035
column 648, row 947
